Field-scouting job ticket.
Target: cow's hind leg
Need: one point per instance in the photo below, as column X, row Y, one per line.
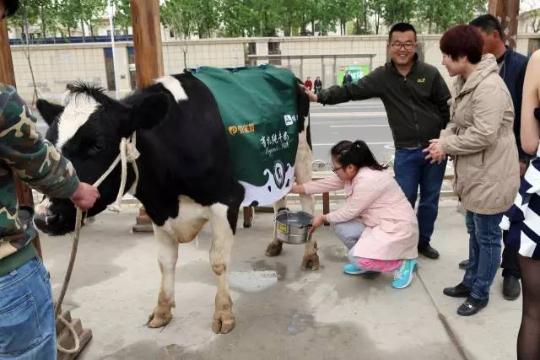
column 275, row 247
column 303, row 172
column 223, row 221
column 167, row 257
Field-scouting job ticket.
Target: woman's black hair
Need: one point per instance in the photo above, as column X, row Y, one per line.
column 356, row 153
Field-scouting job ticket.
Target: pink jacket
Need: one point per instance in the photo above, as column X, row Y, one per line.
column 376, row 199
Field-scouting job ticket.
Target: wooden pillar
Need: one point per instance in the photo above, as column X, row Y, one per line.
column 148, row 62
column 507, row 12
column 7, row 76
column 147, row 40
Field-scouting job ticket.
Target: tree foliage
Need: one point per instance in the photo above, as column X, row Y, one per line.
column 243, row 18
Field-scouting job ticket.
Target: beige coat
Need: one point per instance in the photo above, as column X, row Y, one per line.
column 481, row 140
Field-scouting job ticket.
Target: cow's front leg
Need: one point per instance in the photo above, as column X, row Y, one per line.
column 167, row 256
column 220, row 253
column 310, row 261
column 275, row 247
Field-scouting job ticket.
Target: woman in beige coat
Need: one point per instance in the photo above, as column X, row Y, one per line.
column 481, row 141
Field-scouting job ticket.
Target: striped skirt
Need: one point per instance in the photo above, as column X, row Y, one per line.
column 522, row 220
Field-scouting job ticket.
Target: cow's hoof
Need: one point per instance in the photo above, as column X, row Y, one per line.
column 274, row 248
column 310, row 262
column 223, row 322
column 159, row 319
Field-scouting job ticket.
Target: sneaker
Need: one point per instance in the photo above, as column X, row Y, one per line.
column 404, row 275
column 352, row 269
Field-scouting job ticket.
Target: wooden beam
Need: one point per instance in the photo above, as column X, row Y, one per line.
column 147, row 40
column 507, row 11
column 7, row 76
column 148, row 61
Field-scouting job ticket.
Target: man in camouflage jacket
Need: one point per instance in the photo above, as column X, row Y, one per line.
column 27, row 324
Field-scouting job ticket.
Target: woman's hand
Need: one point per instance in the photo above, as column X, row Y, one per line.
column 317, row 222
column 435, row 152
column 297, row 189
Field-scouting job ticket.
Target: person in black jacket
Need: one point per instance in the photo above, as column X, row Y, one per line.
column 512, row 67
column 317, row 85
column 415, row 97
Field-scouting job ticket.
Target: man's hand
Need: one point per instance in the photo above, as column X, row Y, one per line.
column 317, row 222
column 85, row 196
column 311, row 95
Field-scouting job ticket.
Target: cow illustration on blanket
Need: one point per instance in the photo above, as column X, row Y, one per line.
column 209, row 140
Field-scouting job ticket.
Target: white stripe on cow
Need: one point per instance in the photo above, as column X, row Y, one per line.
column 79, row 108
column 174, row 86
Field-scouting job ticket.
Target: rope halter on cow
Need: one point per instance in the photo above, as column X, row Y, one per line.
column 128, row 154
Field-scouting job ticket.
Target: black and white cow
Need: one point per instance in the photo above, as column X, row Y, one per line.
column 185, row 171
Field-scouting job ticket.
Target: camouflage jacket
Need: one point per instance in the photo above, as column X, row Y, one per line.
column 27, row 156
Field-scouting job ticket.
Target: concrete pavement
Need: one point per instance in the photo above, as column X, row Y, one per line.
column 282, row 312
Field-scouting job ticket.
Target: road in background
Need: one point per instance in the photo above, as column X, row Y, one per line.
column 365, row 120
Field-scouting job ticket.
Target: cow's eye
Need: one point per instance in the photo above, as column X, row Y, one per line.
column 94, row 149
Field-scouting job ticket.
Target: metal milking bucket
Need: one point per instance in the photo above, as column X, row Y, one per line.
column 293, row 227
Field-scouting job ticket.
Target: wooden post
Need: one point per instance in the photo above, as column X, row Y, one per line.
column 148, row 62
column 7, row 74
column 147, row 41
column 507, row 12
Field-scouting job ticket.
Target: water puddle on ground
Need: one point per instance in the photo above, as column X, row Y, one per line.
column 252, row 281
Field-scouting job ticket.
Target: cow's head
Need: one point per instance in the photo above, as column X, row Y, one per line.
column 87, row 130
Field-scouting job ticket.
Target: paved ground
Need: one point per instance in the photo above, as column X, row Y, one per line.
column 282, row 312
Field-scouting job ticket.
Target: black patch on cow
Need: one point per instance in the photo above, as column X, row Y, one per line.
column 302, row 103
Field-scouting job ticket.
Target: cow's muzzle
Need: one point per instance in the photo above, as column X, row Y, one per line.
column 54, row 222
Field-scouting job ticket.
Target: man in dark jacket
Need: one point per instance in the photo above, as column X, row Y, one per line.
column 415, row 97
column 27, row 326
column 512, row 66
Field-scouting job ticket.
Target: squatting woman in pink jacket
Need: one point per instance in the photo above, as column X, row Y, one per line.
column 376, row 223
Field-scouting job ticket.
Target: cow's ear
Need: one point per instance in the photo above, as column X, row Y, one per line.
column 149, row 112
column 49, row 111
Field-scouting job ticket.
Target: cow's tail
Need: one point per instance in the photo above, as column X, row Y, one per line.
column 302, row 101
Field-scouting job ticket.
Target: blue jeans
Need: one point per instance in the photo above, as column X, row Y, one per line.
column 349, row 232
column 27, row 326
column 413, row 171
column 484, row 252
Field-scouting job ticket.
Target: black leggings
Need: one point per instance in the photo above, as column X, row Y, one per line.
column 528, row 344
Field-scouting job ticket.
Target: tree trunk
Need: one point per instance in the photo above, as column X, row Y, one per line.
column 83, row 31
column 43, row 26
